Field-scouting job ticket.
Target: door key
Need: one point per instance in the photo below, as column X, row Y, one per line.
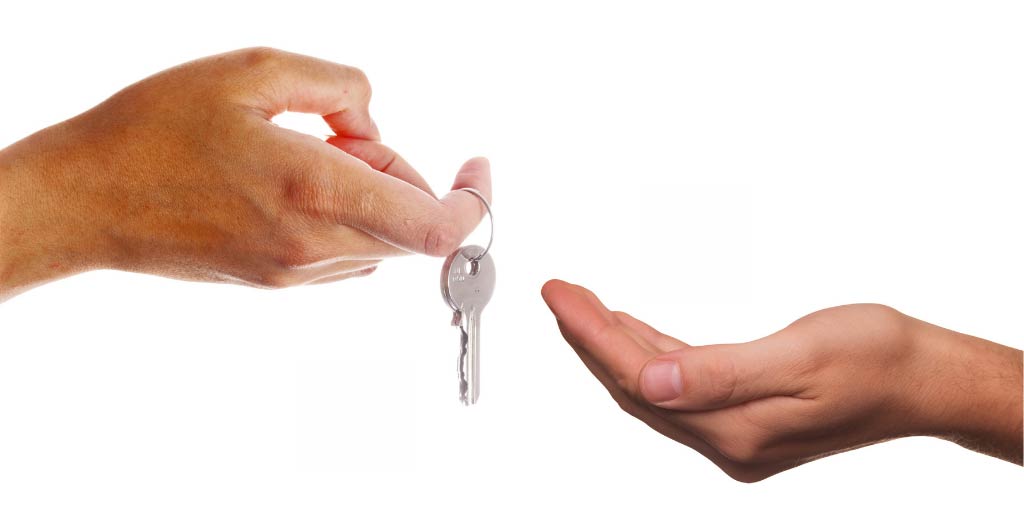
column 467, row 283
column 467, row 286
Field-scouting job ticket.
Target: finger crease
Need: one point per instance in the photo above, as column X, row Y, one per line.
column 387, row 166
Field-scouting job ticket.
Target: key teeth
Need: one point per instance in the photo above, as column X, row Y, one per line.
column 456, row 318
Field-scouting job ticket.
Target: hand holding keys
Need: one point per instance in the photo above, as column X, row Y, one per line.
column 467, row 283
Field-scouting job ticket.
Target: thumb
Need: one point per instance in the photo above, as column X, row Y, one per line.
column 717, row 376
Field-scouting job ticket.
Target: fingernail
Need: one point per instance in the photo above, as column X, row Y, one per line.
column 662, row 381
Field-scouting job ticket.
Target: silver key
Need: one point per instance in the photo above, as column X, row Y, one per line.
column 467, row 285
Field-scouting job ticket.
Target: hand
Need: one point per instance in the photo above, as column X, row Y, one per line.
column 183, row 174
column 832, row 381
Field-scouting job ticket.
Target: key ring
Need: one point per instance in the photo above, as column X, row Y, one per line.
column 490, row 215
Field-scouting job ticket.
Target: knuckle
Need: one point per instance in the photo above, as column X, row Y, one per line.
column 440, row 239
column 627, row 384
column 304, row 192
column 295, row 192
column 740, row 449
column 624, row 401
column 628, row 406
column 884, row 311
column 887, row 319
column 719, row 379
column 294, row 253
column 359, row 76
column 609, row 334
column 273, row 279
column 743, row 444
column 259, row 56
column 746, row 475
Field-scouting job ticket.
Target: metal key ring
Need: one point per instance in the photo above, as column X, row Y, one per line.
column 490, row 215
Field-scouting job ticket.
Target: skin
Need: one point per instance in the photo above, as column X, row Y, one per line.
column 184, row 175
column 835, row 380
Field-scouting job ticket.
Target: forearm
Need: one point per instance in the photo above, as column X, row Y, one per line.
column 974, row 393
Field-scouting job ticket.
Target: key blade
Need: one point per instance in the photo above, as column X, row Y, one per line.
column 472, row 351
column 463, row 369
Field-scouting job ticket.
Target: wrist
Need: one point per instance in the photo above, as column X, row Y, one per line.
column 970, row 391
column 41, row 236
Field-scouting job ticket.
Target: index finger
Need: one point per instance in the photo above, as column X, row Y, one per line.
column 382, row 158
column 287, row 81
column 403, row 215
column 596, row 332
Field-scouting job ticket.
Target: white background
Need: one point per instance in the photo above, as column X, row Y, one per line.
column 715, row 168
